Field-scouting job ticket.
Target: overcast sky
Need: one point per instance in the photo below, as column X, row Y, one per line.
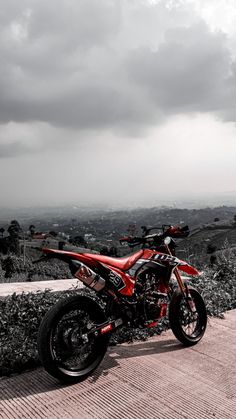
column 116, row 101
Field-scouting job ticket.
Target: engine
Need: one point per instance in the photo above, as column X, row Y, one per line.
column 152, row 296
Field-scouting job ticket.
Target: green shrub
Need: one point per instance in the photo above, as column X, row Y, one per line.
column 218, row 288
column 19, row 323
column 14, row 269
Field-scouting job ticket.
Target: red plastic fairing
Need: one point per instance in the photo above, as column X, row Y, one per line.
column 82, row 257
column 188, row 269
column 128, row 280
column 183, row 266
column 148, row 253
column 124, row 263
column 92, row 260
column 173, row 230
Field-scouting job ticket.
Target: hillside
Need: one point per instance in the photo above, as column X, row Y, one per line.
column 102, row 230
column 219, row 236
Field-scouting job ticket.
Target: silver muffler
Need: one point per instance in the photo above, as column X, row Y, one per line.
column 90, row 278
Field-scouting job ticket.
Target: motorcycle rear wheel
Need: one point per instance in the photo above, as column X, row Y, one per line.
column 66, row 350
column 188, row 325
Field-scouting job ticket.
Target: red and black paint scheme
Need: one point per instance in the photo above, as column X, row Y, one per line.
column 134, row 291
column 120, row 277
column 120, row 274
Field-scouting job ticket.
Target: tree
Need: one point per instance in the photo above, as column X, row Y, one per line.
column 211, row 248
column 32, row 229
column 113, row 251
column 213, row 260
column 14, row 229
column 2, row 231
column 104, row 251
column 53, row 233
column 78, row 241
column 61, row 245
column 8, row 266
column 132, row 229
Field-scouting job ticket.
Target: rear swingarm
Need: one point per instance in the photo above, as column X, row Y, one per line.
column 102, row 329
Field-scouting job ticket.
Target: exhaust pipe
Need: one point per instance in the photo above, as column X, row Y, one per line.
column 87, row 276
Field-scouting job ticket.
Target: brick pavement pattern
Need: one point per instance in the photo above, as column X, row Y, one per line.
column 158, row 378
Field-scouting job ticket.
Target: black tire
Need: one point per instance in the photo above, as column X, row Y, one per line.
column 65, row 351
column 187, row 326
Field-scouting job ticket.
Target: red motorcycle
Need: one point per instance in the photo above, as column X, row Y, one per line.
column 134, row 291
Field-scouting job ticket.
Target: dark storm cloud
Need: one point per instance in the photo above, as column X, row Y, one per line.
column 90, row 106
column 97, row 65
column 188, row 72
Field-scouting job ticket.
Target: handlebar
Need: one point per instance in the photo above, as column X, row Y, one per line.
column 168, row 228
column 157, row 238
column 133, row 241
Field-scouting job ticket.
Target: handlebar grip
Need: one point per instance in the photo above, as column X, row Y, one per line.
column 124, row 239
column 178, row 232
column 132, row 241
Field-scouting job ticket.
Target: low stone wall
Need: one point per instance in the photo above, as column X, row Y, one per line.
column 7, row 289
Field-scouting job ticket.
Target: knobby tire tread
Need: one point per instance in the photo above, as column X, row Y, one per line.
column 174, row 316
column 48, row 323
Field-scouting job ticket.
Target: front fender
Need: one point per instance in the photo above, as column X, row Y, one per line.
column 167, row 259
column 188, row 269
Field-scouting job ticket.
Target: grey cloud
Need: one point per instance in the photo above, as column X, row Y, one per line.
column 85, row 23
column 100, row 65
column 89, row 106
column 229, row 111
column 187, row 73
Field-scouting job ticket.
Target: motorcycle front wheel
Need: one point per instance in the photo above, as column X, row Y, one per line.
column 66, row 349
column 188, row 325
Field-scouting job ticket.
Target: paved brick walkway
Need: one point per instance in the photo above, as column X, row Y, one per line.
column 158, row 378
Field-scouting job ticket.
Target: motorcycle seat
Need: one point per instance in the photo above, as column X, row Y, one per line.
column 124, row 263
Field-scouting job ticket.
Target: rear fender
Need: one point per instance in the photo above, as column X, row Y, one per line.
column 67, row 256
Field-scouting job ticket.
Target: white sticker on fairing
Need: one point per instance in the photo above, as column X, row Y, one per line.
column 116, row 280
column 164, row 257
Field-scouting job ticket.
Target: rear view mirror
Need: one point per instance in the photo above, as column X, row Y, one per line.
column 167, row 240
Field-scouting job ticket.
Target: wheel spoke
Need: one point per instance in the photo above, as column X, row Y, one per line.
column 68, row 346
column 67, row 349
column 189, row 319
